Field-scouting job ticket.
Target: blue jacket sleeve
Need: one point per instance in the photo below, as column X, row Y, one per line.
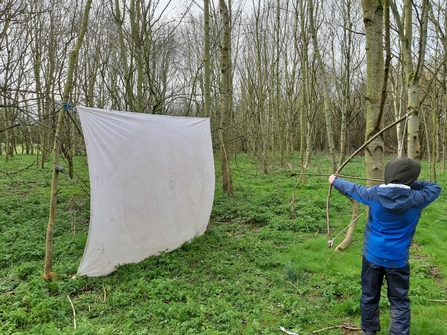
column 353, row 190
column 427, row 192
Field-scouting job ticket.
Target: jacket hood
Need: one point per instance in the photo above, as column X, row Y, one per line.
column 402, row 171
column 395, row 197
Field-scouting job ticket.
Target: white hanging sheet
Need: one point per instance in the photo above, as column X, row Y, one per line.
column 151, row 183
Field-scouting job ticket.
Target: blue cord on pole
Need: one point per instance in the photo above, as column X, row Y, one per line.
column 67, row 106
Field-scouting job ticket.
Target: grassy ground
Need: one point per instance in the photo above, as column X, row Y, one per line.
column 256, row 269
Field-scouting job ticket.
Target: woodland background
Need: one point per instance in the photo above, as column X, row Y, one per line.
column 274, row 76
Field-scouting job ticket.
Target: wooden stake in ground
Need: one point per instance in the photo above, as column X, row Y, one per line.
column 47, row 274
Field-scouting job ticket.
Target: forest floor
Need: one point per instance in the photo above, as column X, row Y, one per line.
column 263, row 264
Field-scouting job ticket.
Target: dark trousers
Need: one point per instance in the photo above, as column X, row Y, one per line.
column 398, row 281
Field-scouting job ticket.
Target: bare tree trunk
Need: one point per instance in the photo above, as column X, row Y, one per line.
column 280, row 112
column 225, row 97
column 397, row 93
column 374, row 153
column 444, row 139
column 137, row 40
column 413, row 73
column 303, row 96
column 440, row 121
column 206, row 59
column 128, row 101
column 47, row 275
column 327, row 112
column 303, row 105
column 50, row 90
column 435, row 135
column 6, row 132
column 347, row 67
column 346, row 88
column 444, row 125
column 37, row 55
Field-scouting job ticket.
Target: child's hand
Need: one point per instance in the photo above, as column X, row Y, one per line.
column 331, row 179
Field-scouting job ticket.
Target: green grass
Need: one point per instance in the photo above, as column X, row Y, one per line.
column 256, row 269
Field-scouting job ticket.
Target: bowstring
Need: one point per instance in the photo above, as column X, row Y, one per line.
column 331, row 242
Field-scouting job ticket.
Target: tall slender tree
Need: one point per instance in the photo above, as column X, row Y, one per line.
column 413, row 72
column 47, row 275
column 374, row 153
column 373, row 13
column 206, row 58
column 325, row 84
column 225, row 98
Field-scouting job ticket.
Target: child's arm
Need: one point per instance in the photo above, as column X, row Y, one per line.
column 427, row 192
column 356, row 191
column 419, row 185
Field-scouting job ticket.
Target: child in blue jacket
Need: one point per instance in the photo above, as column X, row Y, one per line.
column 394, row 211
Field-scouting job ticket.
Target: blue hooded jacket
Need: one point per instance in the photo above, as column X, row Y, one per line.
column 394, row 213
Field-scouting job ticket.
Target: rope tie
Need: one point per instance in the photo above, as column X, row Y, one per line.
column 67, row 106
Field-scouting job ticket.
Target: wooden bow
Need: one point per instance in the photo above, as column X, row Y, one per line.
column 382, row 102
column 330, row 241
